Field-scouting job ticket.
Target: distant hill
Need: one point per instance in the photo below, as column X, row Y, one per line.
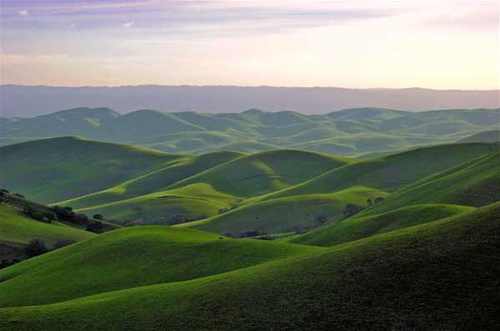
column 22, row 101
column 359, row 132
column 482, row 137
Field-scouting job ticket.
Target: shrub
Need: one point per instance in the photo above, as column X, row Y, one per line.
column 379, row 199
column 320, row 219
column 98, row 217
column 95, row 227
column 351, row 209
column 63, row 243
column 36, row 247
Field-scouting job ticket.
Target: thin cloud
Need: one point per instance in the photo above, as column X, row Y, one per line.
column 128, row 24
column 24, row 13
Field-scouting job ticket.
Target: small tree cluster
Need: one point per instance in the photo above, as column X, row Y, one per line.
column 251, row 233
column 351, row 209
column 68, row 215
column 63, row 243
column 5, row 263
column 36, row 247
column 39, row 214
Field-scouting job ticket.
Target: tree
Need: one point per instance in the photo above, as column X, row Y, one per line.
column 98, row 217
column 320, row 219
column 379, row 199
column 36, row 247
column 351, row 209
column 63, row 243
column 95, row 227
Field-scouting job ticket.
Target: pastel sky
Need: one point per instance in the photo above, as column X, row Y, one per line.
column 433, row 44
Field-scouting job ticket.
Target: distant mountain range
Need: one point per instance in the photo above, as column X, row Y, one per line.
column 361, row 132
column 21, row 101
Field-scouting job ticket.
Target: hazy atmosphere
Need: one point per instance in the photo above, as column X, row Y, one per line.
column 356, row 44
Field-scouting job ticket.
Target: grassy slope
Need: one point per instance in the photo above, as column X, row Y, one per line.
column 283, row 214
column 193, row 200
column 350, row 132
column 390, row 172
column 265, row 172
column 482, row 137
column 133, row 257
column 51, row 170
column 17, row 228
column 438, row 276
column 355, row 228
column 155, row 181
column 473, row 183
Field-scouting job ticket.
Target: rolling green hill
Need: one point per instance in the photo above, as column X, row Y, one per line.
column 18, row 228
column 350, row 132
column 286, row 214
column 155, row 181
column 354, row 228
column 482, row 137
column 474, row 183
column 265, row 172
column 133, row 257
column 442, row 275
column 51, row 170
column 389, row 173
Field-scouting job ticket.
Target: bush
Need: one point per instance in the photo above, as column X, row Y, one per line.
column 351, row 209
column 320, row 219
column 45, row 216
column 95, row 227
column 63, row 243
column 36, row 247
column 251, row 233
column 299, row 229
column 98, row 217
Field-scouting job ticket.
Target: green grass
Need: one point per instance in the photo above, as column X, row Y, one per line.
column 133, row 257
column 474, row 183
column 389, row 173
column 155, row 181
column 194, row 200
column 284, row 214
column 354, row 228
column 363, row 130
column 482, row 137
column 442, row 275
column 265, row 172
column 17, row 230
column 16, row 227
column 57, row 169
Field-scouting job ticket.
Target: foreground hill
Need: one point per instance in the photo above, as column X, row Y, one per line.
column 437, row 276
column 353, row 132
column 133, row 257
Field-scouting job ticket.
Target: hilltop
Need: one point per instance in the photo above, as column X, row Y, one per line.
column 357, row 132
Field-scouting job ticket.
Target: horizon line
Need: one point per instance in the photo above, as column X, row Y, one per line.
column 254, row 86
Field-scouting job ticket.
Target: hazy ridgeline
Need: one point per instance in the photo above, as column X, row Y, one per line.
column 363, row 132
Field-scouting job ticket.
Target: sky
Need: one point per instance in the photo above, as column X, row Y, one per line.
column 355, row 44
